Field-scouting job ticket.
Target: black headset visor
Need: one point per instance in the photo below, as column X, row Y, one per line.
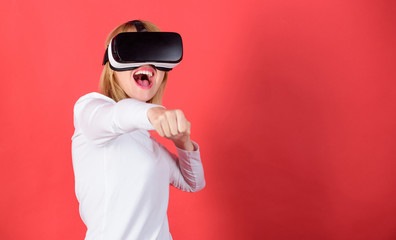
column 130, row 50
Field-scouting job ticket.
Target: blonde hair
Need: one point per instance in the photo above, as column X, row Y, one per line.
column 109, row 84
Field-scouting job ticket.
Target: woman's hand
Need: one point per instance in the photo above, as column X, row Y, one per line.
column 173, row 125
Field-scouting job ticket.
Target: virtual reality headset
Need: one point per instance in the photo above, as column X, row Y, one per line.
column 130, row 50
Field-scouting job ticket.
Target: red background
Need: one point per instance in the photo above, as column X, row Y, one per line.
column 292, row 103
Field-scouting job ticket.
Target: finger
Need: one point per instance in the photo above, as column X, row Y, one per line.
column 188, row 131
column 172, row 121
column 181, row 121
column 165, row 128
column 158, row 128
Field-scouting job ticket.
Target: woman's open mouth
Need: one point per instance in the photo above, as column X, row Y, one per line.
column 144, row 77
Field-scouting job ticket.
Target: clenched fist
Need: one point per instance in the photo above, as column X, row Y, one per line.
column 173, row 125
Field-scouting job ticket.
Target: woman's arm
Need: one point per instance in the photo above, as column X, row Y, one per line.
column 186, row 170
column 101, row 119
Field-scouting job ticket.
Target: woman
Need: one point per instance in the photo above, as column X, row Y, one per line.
column 122, row 174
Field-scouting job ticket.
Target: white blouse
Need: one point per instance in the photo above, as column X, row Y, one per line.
column 122, row 174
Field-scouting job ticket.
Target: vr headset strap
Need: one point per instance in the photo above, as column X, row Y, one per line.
column 105, row 58
column 138, row 25
column 139, row 28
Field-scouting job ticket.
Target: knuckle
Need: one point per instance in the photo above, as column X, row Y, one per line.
column 179, row 112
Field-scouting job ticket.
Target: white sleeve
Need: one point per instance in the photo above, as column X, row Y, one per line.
column 101, row 119
column 186, row 170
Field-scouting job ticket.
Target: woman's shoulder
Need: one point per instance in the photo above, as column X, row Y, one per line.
column 93, row 96
column 91, row 100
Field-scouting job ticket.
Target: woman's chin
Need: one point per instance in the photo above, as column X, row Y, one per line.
column 140, row 94
column 142, row 98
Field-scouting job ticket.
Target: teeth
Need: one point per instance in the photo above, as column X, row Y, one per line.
column 148, row 73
